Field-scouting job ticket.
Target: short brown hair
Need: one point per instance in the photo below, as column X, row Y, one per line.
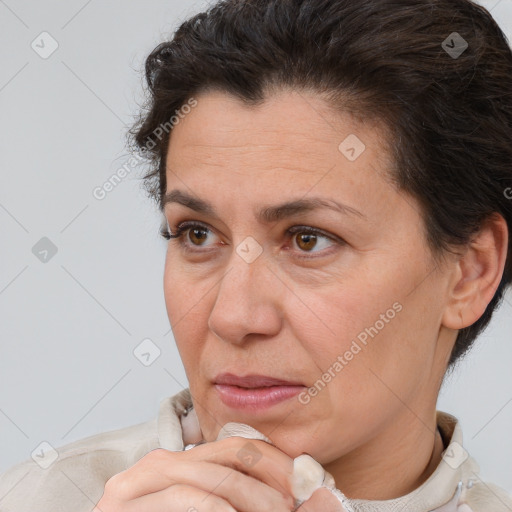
column 447, row 107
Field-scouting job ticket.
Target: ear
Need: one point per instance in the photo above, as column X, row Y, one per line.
column 477, row 274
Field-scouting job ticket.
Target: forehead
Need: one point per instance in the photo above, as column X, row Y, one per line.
column 288, row 148
column 290, row 129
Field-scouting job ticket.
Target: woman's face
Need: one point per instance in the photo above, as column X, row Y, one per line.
column 353, row 315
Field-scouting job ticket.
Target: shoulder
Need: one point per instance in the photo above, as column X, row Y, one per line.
column 77, row 472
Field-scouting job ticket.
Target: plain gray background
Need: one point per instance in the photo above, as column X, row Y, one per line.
column 69, row 325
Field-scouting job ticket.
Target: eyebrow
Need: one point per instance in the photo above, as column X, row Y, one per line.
column 267, row 214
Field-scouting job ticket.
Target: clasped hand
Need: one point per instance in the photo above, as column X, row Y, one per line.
column 211, row 477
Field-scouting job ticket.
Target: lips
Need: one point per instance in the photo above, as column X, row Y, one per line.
column 254, row 392
column 253, row 381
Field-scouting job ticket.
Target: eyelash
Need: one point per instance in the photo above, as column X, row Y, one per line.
column 188, row 225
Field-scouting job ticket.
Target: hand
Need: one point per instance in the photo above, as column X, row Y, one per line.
column 208, row 477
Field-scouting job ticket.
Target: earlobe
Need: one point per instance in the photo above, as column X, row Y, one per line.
column 477, row 274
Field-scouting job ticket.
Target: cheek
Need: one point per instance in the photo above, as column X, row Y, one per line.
column 379, row 355
column 355, row 332
column 186, row 306
column 172, row 285
column 361, row 310
column 184, row 291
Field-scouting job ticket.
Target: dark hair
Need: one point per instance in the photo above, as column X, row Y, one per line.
column 447, row 109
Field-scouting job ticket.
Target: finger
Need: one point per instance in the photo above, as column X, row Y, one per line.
column 159, row 472
column 322, row 500
column 179, row 498
column 253, row 457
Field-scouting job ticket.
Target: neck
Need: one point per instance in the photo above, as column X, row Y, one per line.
column 393, row 464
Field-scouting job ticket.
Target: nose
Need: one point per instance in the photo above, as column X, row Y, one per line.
column 248, row 302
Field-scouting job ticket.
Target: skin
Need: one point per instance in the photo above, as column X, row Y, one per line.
column 206, row 478
column 373, row 426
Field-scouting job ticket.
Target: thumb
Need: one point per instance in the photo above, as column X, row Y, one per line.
column 322, row 500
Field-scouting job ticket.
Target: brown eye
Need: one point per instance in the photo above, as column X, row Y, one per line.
column 312, row 240
column 190, row 234
column 193, row 237
column 197, row 234
column 306, row 241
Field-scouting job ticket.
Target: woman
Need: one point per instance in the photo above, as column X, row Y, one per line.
column 335, row 180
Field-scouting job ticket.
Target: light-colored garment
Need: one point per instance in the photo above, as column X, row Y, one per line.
column 76, row 479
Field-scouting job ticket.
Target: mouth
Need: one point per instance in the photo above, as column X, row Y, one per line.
column 254, row 392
